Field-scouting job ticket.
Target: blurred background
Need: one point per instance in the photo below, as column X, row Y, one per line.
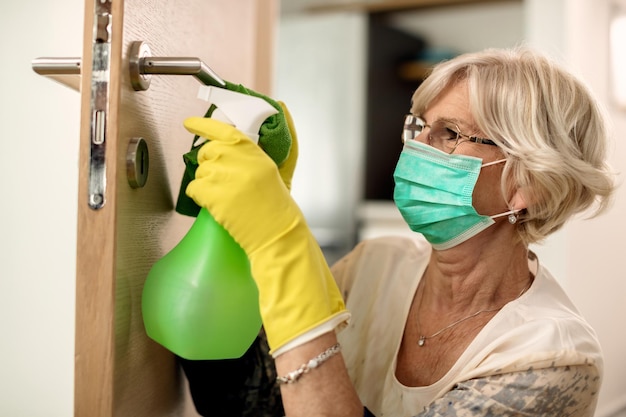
column 346, row 71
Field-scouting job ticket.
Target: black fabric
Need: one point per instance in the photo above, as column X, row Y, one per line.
column 367, row 413
column 235, row 387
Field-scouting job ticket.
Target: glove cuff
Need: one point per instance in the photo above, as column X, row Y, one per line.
column 338, row 321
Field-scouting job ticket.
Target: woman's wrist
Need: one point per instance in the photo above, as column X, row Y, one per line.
column 323, row 390
column 293, row 376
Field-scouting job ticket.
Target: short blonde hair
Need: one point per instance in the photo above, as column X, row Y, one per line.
column 546, row 121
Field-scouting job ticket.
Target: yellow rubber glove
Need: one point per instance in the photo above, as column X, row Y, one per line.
column 244, row 191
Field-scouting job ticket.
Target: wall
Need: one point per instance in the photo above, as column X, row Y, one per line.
column 39, row 122
column 324, row 89
column 466, row 28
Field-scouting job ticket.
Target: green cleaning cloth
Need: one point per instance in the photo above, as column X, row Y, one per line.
column 274, row 139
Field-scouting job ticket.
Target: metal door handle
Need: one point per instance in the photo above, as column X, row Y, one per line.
column 141, row 67
column 64, row 70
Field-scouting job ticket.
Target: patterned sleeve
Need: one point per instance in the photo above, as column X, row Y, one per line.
column 558, row 391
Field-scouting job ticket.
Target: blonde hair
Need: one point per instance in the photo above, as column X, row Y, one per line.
column 546, row 121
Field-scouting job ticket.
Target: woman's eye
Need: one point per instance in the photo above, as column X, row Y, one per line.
column 449, row 134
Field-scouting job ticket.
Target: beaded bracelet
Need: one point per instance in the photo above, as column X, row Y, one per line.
column 294, row 376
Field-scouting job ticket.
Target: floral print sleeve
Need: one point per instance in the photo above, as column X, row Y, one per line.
column 558, row 391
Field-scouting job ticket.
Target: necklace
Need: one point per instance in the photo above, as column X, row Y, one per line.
column 422, row 339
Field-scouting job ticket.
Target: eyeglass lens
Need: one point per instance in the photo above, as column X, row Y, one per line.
column 443, row 136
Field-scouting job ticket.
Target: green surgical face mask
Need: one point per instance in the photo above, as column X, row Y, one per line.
column 434, row 194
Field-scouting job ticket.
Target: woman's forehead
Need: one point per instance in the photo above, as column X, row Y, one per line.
column 452, row 105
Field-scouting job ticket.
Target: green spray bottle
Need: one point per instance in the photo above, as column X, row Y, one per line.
column 200, row 300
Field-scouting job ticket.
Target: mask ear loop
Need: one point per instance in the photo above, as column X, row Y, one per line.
column 513, row 215
column 498, row 161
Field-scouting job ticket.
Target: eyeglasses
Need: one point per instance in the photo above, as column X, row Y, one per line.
column 445, row 136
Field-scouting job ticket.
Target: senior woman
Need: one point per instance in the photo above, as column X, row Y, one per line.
column 501, row 148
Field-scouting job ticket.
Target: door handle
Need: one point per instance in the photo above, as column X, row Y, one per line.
column 64, row 70
column 141, row 67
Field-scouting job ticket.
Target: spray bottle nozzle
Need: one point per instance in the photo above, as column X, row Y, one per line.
column 247, row 113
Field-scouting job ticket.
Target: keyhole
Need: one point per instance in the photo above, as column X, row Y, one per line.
column 144, row 156
column 137, row 162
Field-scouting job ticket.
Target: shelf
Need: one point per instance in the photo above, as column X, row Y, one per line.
column 415, row 70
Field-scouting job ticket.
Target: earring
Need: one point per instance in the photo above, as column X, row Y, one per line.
column 513, row 217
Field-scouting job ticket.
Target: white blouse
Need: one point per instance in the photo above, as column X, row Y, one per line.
column 536, row 356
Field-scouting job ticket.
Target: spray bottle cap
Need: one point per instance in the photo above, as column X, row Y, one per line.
column 246, row 113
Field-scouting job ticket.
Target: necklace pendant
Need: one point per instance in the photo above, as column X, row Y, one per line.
column 421, row 341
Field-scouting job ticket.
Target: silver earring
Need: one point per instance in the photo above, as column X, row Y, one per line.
column 513, row 218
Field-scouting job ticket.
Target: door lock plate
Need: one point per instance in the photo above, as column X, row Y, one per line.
column 137, row 162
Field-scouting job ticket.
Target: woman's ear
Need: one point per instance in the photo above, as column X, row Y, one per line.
column 521, row 199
